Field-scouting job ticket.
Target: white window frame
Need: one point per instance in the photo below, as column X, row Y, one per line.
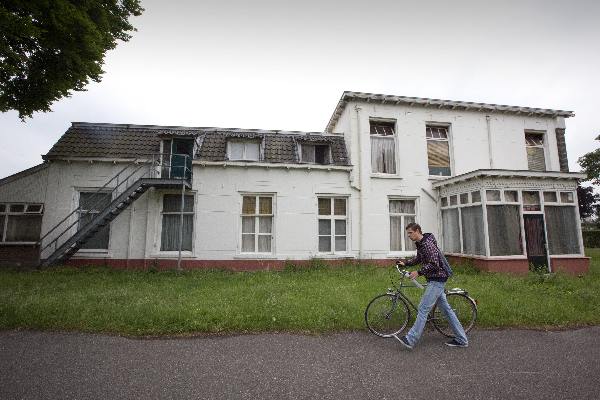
column 402, row 223
column 448, row 139
column 257, row 217
column 332, row 218
column 393, row 137
column 245, row 143
column 7, row 214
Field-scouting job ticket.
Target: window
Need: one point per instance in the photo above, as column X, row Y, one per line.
column 534, row 144
column 451, row 230
column 531, row 201
column 20, row 222
column 511, row 196
column 171, row 222
column 332, row 220
column 438, row 150
column 566, row 197
column 90, row 204
column 492, row 195
column 315, row 153
column 177, row 158
column 476, row 196
column 383, row 147
column 504, row 228
column 561, row 225
column 472, row 230
column 464, row 198
column 402, row 213
column 257, row 224
column 244, row 150
column 550, row 197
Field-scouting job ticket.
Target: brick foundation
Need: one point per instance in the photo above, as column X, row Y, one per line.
column 573, row 266
column 19, row 256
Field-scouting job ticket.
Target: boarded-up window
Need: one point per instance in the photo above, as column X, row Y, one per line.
column 438, row 150
column 383, row 147
column 244, row 150
column 315, row 154
column 534, row 143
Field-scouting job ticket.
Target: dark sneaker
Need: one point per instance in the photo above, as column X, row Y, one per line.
column 456, row 343
column 404, row 341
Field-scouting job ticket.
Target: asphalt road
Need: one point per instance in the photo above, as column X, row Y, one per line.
column 510, row 364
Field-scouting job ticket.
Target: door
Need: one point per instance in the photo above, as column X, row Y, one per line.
column 535, row 240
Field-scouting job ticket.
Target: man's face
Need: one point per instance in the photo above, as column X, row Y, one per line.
column 415, row 236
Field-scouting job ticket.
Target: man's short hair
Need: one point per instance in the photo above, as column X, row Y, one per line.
column 414, row 226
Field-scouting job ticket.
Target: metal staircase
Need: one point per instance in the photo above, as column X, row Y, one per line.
column 143, row 173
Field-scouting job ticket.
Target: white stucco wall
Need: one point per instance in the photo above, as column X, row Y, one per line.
column 469, row 150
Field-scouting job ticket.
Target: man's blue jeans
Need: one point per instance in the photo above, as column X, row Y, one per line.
column 434, row 292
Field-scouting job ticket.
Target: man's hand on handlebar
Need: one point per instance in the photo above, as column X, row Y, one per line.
column 413, row 274
column 400, row 263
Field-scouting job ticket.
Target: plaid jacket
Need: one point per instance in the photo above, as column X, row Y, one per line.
column 428, row 256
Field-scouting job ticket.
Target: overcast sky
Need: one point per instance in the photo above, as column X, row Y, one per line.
column 284, row 65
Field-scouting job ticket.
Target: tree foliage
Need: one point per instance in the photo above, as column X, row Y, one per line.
column 49, row 48
column 588, row 201
column 590, row 162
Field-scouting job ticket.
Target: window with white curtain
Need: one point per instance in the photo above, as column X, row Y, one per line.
column 451, row 230
column 402, row 213
column 20, row 222
column 332, row 220
column 504, row 228
column 472, row 230
column 171, row 221
column 257, row 224
column 90, row 205
column 561, row 226
column 383, row 147
column 243, row 150
column 438, row 150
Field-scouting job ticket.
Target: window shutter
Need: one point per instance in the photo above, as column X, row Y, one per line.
column 535, row 158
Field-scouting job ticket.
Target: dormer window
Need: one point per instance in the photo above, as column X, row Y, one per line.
column 243, row 150
column 315, row 153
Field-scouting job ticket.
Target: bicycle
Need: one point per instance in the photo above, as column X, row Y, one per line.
column 388, row 314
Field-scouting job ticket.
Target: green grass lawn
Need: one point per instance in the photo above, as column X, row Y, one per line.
column 309, row 300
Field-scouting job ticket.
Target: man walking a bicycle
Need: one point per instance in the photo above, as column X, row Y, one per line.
column 434, row 270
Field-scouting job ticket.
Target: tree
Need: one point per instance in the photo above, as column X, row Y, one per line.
column 50, row 47
column 590, row 162
column 588, row 201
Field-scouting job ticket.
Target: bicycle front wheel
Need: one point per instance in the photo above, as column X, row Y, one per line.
column 464, row 308
column 387, row 315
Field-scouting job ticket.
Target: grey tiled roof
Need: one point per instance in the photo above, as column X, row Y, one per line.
column 88, row 140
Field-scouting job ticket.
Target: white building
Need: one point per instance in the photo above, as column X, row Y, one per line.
column 490, row 181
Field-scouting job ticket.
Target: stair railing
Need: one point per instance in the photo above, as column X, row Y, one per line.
column 156, row 164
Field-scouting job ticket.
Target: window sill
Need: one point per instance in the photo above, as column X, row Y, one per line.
column 401, row 254
column 334, row 255
column 439, row 177
column 255, row 256
column 172, row 254
column 92, row 253
column 386, row 176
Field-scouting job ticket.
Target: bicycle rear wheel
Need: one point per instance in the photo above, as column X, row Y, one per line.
column 464, row 308
column 387, row 315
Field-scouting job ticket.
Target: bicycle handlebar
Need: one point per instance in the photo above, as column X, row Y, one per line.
column 406, row 274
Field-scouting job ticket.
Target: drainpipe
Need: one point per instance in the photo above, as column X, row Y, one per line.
column 359, row 186
column 489, row 135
